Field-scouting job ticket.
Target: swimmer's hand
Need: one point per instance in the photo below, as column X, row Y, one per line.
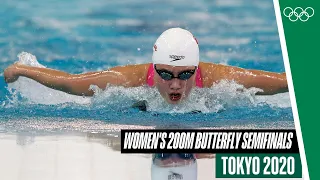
column 11, row 74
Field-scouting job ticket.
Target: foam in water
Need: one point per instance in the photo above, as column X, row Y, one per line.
column 221, row 96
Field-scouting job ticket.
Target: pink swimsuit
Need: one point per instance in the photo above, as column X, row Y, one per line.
column 150, row 76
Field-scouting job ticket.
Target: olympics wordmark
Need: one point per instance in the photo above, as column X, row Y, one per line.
column 298, row 13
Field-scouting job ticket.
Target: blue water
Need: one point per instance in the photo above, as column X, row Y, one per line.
column 78, row 36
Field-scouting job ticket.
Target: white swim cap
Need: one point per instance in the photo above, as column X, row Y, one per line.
column 187, row 172
column 176, row 47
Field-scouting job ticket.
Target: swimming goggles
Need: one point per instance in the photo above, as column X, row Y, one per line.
column 164, row 156
column 167, row 75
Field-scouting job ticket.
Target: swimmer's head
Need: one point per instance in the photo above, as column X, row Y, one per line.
column 176, row 58
column 176, row 47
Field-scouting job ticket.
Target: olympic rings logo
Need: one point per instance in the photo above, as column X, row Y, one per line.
column 298, row 13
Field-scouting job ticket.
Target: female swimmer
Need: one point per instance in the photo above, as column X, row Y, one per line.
column 174, row 71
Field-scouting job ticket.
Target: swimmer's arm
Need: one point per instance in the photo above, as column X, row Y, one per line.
column 79, row 84
column 269, row 82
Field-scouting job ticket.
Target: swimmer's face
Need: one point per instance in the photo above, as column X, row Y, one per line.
column 174, row 90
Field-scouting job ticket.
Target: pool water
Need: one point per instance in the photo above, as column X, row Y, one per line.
column 79, row 36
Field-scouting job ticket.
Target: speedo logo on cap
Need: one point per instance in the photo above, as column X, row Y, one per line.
column 176, row 58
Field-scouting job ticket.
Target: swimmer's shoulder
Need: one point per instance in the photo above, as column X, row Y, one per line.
column 212, row 73
column 136, row 73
